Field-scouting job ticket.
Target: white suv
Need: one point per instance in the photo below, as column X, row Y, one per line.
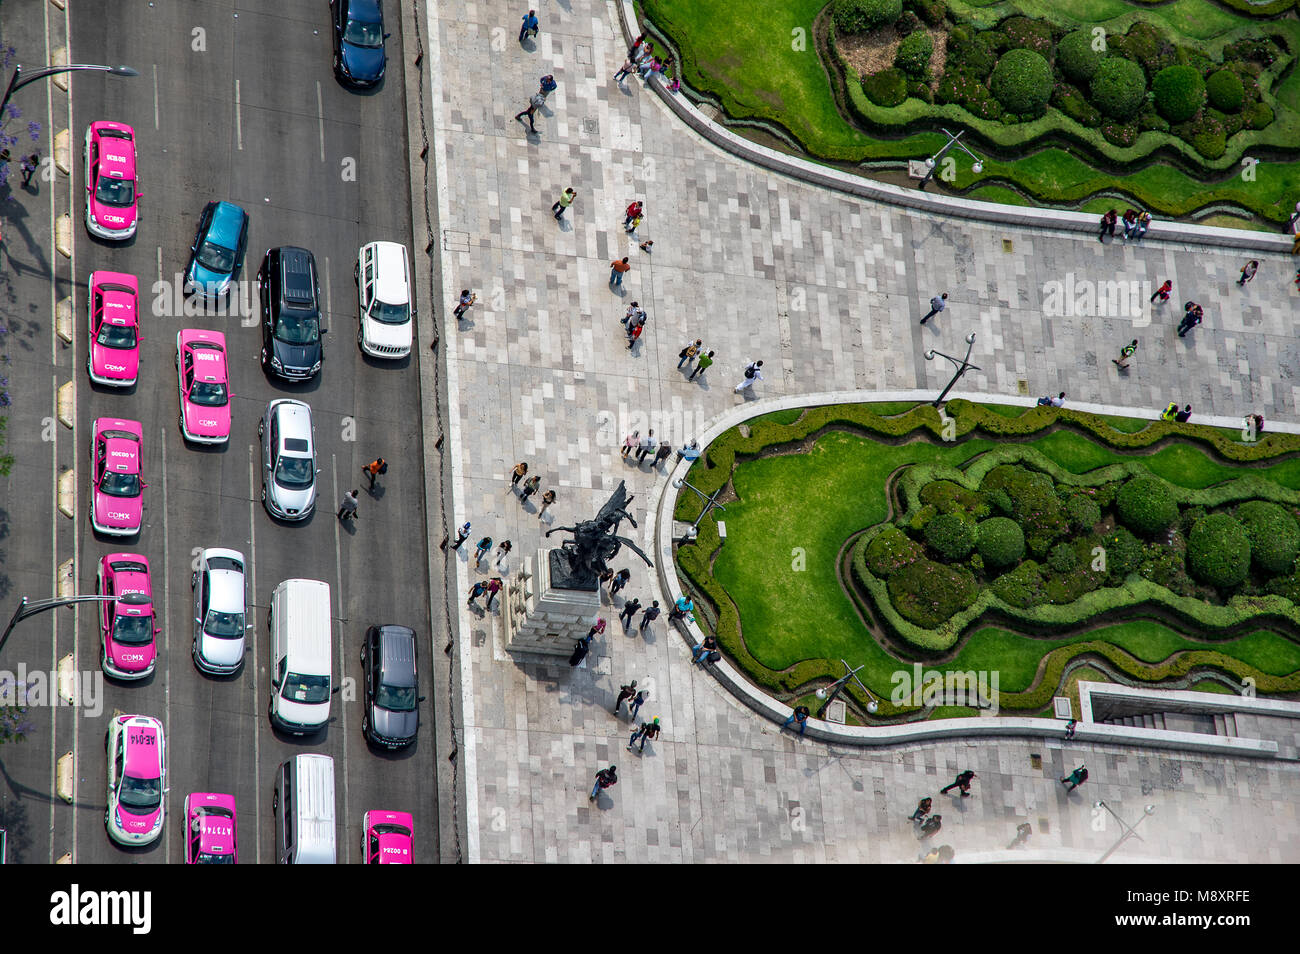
column 383, row 275
column 219, row 608
column 288, row 460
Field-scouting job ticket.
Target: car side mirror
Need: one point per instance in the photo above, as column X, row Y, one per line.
column 143, row 485
column 157, row 630
column 336, row 690
column 387, row 35
column 248, row 627
column 422, row 698
column 197, row 620
column 275, row 681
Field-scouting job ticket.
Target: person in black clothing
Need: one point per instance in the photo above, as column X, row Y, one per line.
column 650, row 614
column 922, row 809
column 931, row 825
column 624, row 693
column 629, row 610
column 1182, row 416
column 962, row 781
column 580, row 650
column 605, row 778
column 620, row 580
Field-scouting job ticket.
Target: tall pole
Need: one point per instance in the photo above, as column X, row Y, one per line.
column 933, row 161
column 16, row 82
column 26, row 608
column 1129, row 831
column 962, row 366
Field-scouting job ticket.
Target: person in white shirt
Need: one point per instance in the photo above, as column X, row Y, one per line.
column 753, row 372
column 1058, row 401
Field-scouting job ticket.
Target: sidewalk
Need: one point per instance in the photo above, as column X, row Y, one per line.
column 827, row 290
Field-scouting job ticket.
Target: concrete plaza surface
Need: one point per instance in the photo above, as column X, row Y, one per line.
column 827, row 290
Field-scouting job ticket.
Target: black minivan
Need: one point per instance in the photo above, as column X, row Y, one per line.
column 292, row 324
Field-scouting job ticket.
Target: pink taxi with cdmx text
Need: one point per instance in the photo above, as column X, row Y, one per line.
column 127, row 631
column 117, row 492
column 114, row 313
column 112, row 199
column 203, row 380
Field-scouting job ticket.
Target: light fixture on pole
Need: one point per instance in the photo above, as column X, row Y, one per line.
column 829, row 693
column 962, row 366
column 26, row 609
column 1130, row 831
column 710, row 501
column 933, row 162
column 18, row 81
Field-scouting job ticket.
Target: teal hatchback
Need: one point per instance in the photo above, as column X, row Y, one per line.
column 217, row 254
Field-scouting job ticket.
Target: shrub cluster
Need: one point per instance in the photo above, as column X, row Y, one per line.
column 1147, row 506
column 1022, row 82
column 1218, row 551
column 886, row 88
column 1179, row 93
column 1000, row 541
column 913, row 56
column 860, row 16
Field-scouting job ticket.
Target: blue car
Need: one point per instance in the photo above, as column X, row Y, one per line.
column 359, row 37
column 217, row 254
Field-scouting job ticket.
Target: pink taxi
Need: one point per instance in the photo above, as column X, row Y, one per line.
column 112, row 200
column 114, row 312
column 127, row 630
column 117, row 492
column 136, row 779
column 387, row 838
column 210, row 829
column 204, row 386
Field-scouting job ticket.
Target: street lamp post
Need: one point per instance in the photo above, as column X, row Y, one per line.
column 18, row 81
column 1130, row 831
column 829, row 693
column 962, row 367
column 26, row 609
column 710, row 501
column 933, row 162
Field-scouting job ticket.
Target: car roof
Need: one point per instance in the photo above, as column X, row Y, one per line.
column 297, row 285
column 397, row 656
column 226, row 590
column 142, row 759
column 365, row 11
column 116, row 154
column 377, row 816
column 295, row 423
column 392, row 281
column 131, row 572
column 227, row 222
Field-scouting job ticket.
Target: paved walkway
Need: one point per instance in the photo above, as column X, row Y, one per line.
column 827, row 291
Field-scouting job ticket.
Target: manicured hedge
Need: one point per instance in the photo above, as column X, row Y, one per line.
column 1022, row 82
column 891, row 550
column 1000, row 541
column 1147, row 506
column 913, row 56
column 1076, row 57
column 886, row 88
column 1118, row 88
column 859, row 16
column 951, row 536
column 1179, row 92
column 1218, row 551
column 1225, row 91
column 1274, row 536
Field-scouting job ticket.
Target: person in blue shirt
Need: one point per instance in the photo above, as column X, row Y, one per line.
column 529, row 26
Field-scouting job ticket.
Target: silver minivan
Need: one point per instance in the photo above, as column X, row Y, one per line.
column 303, row 803
column 219, row 611
column 288, row 459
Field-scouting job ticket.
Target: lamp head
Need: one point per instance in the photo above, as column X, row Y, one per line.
column 123, row 71
column 970, row 338
column 977, row 168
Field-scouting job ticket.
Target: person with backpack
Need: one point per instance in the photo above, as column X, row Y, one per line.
column 931, row 825
column 1125, row 353
column 625, row 694
column 475, row 591
column 688, row 353
column 530, row 26
column 1075, row 779
column 1170, row 410
column 375, row 468
column 605, row 778
column 534, row 104
column 753, row 372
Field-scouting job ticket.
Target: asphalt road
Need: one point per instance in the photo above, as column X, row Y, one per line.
column 247, row 110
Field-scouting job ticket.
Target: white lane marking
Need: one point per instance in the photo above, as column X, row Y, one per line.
column 159, row 262
column 239, row 130
column 251, row 661
column 155, row 96
column 328, row 310
column 166, row 632
column 338, row 589
column 320, row 115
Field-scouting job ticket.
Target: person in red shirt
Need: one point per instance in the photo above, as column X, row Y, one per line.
column 633, row 211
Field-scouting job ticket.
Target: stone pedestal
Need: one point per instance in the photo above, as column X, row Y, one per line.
column 542, row 616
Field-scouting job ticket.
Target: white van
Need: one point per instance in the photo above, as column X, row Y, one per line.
column 301, row 671
column 387, row 315
column 304, row 811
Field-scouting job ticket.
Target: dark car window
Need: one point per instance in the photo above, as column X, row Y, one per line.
column 390, row 314
column 118, row 192
column 120, row 485
column 395, row 698
column 209, row 394
column 306, row 689
column 133, row 630
column 216, row 258
column 297, row 329
column 369, row 35
column 116, row 336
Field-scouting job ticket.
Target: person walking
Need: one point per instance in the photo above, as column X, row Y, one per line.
column 531, row 486
column 374, row 469
column 620, row 580
column 547, row 85
column 922, row 809
column 548, row 498
column 597, row 628
column 563, row 202
column 663, row 453
column 534, row 104
column 1023, row 831
column 800, row 715
column 630, row 442
column 628, row 611
column 624, row 70
column 1191, row 318
column 702, row 649
column 649, row 614
column 634, row 209
column 520, row 471
column 931, row 825
column 605, row 778
column 625, row 693
column 647, row 445
column 530, row 26
column 649, row 732
column 348, row 506
column 580, row 649
column 1075, row 779
column 962, row 781
column 461, row 535
column 1163, row 292
column 647, row 246
column 637, row 701
column 493, row 588
column 1248, row 271
column 503, row 551
column 634, row 334
column 483, row 547
column 753, row 372
column 937, row 304
column 29, row 166
column 1108, row 225
column 705, row 362
column 1125, row 353
column 637, row 731
column 466, row 299
column 475, row 591
column 689, row 352
column 617, row 270
column 1049, row 401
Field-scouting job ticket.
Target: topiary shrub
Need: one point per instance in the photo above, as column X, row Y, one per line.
column 1062, row 558
column 1146, row 505
column 1274, row 536
column 1083, row 512
column 891, row 550
column 1257, row 115
column 1225, row 91
column 1022, row 33
column 1021, row 587
column 1218, row 551
column 1210, row 139
column 1118, row 88
column 1034, row 504
column 1074, row 104
column 1000, row 542
column 970, row 92
column 907, row 24
column 913, row 56
column 1179, row 93
column 1076, row 57
column 932, row 12
column 971, row 54
column 886, row 88
column 1121, row 134
column 951, row 536
column 1123, row 553
column 1022, row 82
column 859, row 16
column 928, row 593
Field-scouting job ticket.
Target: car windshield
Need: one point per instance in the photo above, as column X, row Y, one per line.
column 120, row 485
column 141, row 793
column 216, row 258
column 390, row 314
column 208, row 394
column 224, row 625
column 297, row 329
column 294, row 472
column 119, row 192
column 306, row 689
column 364, row 34
column 395, row 698
column 133, row 630
column 116, row 336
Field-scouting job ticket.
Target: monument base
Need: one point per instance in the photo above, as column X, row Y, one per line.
column 543, row 616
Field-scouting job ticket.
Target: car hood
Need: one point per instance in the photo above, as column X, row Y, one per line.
column 119, row 364
column 302, row 713
column 204, row 421
column 130, row 658
column 384, row 335
column 393, row 725
column 207, row 278
column 287, row 498
column 363, row 62
column 296, row 356
column 141, row 824
column 118, row 511
column 113, row 217
column 221, row 652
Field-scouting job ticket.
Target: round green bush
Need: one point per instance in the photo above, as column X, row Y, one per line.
column 1218, row 551
column 907, row 24
column 1146, row 506
column 1024, row 33
column 891, row 550
column 913, row 56
column 1211, row 140
column 859, row 16
column 1274, row 536
column 1225, row 91
column 1022, row 82
column 1062, row 558
column 951, row 536
column 1076, row 57
column 1257, row 115
column 1123, row 553
column 1179, row 93
column 927, row 593
column 1000, row 541
column 886, row 88
column 1118, row 88
column 1083, row 512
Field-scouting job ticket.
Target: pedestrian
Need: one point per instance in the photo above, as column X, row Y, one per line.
column 531, row 486
column 1191, row 318
column 530, row 111
column 1049, row 401
column 637, row 731
column 1143, row 223
column 634, row 209
column 931, row 825
column 922, row 809
column 649, row 614
column 1163, row 291
column 1258, row 421
column 799, row 715
column 619, row 580
column 1075, row 778
column 348, row 506
column 753, row 373
column 29, row 166
column 646, row 246
column 461, row 535
column 548, row 498
column 628, row 611
column 1023, row 831
column 1125, row 353
column 624, row 70
column 664, row 452
column 637, row 702
column 702, row 649
column 624, row 694
column 605, row 778
column 962, row 781
column 1248, row 271
column 706, row 360
column 1108, row 225
column 547, row 85
column 1069, row 729
column 375, row 468
column 483, row 547
column 503, row 551
column 466, row 299
column 1130, row 223
column 1170, row 410
column 1182, row 416
column 633, row 314
column 630, row 442
column 518, row 473
column 530, row 26
column 597, row 628
column 690, row 451
column 634, row 50
column 493, row 588
column 632, row 226
column 647, row 445
column 634, row 334
column 942, row 855
column 580, row 650
column 617, row 270
column 937, row 304
column 689, row 352
column 649, row 732
column 475, row 591
column 563, row 202
column 682, row 608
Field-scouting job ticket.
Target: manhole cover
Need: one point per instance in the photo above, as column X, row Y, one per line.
column 1007, row 246
column 591, row 126
column 1036, row 761
column 835, row 712
column 1022, row 386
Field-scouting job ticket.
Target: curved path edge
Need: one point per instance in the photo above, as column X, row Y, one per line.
column 948, row 206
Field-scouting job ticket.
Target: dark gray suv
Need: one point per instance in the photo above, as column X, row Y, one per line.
column 392, row 715
column 292, row 324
